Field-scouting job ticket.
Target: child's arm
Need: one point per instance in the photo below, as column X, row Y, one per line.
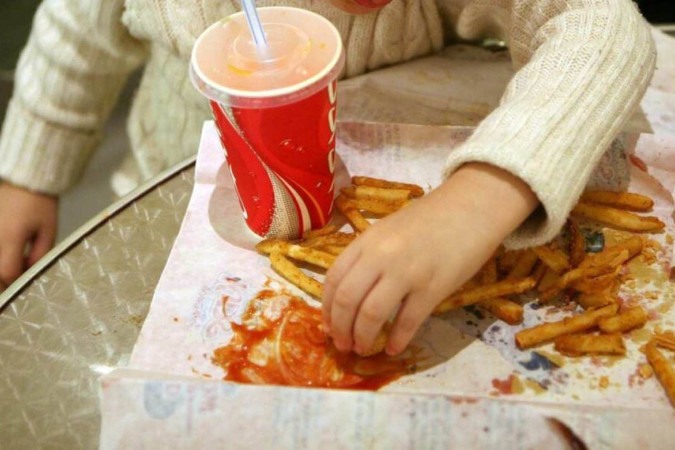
column 583, row 68
column 28, row 222
column 70, row 73
column 76, row 61
column 417, row 256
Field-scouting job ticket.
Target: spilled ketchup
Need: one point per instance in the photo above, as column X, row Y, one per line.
column 280, row 341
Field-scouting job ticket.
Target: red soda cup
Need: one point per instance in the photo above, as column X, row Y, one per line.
column 275, row 111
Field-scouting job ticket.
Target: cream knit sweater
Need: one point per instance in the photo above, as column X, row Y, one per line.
column 583, row 66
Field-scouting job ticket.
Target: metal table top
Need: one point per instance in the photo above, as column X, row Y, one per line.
column 78, row 312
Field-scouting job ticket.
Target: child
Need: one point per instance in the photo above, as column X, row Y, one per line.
column 583, row 66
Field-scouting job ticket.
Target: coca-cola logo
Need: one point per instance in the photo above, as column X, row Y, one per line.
column 332, row 124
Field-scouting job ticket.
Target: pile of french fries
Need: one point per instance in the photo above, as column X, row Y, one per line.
column 562, row 268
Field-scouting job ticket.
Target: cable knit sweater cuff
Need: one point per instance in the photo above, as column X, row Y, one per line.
column 557, row 183
column 40, row 156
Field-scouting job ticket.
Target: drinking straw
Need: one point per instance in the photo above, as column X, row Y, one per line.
column 254, row 23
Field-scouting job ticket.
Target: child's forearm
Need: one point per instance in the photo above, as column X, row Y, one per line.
column 583, row 66
column 495, row 201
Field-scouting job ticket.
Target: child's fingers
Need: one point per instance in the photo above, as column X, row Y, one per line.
column 374, row 311
column 334, row 277
column 42, row 243
column 349, row 294
column 11, row 261
column 414, row 310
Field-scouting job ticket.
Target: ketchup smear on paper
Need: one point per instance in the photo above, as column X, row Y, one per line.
column 280, row 341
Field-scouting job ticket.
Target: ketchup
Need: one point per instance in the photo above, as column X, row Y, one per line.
column 280, row 341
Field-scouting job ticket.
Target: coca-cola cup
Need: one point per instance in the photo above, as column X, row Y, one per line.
column 275, row 110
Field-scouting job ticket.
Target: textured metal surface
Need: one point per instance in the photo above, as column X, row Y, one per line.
column 79, row 317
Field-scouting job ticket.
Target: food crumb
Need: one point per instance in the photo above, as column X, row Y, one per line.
column 534, row 386
column 175, row 319
column 603, row 383
column 137, row 320
column 645, row 371
column 652, row 295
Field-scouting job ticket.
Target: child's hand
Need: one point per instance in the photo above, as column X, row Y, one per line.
column 405, row 264
column 27, row 219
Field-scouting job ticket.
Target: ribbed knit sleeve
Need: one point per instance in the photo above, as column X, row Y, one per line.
column 583, row 66
column 68, row 78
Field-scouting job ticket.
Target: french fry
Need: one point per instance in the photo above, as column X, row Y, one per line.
column 618, row 218
column 577, row 243
column 480, row 293
column 505, row 310
column 609, row 259
column 380, row 341
column 311, row 234
column 547, row 281
column 634, row 245
column 378, row 207
column 554, row 258
column 292, row 273
column 595, row 265
column 663, row 369
column 310, row 255
column 665, row 340
column 335, row 250
column 354, row 216
column 596, row 299
column 545, row 332
column 297, row 252
column 376, row 193
column 539, row 272
column 597, row 344
column 338, row 238
column 508, row 259
column 523, row 266
column 631, row 318
column 600, row 283
column 268, row 246
column 415, row 190
column 621, row 200
column 489, row 271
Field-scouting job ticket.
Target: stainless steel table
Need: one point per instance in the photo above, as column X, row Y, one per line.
column 78, row 312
